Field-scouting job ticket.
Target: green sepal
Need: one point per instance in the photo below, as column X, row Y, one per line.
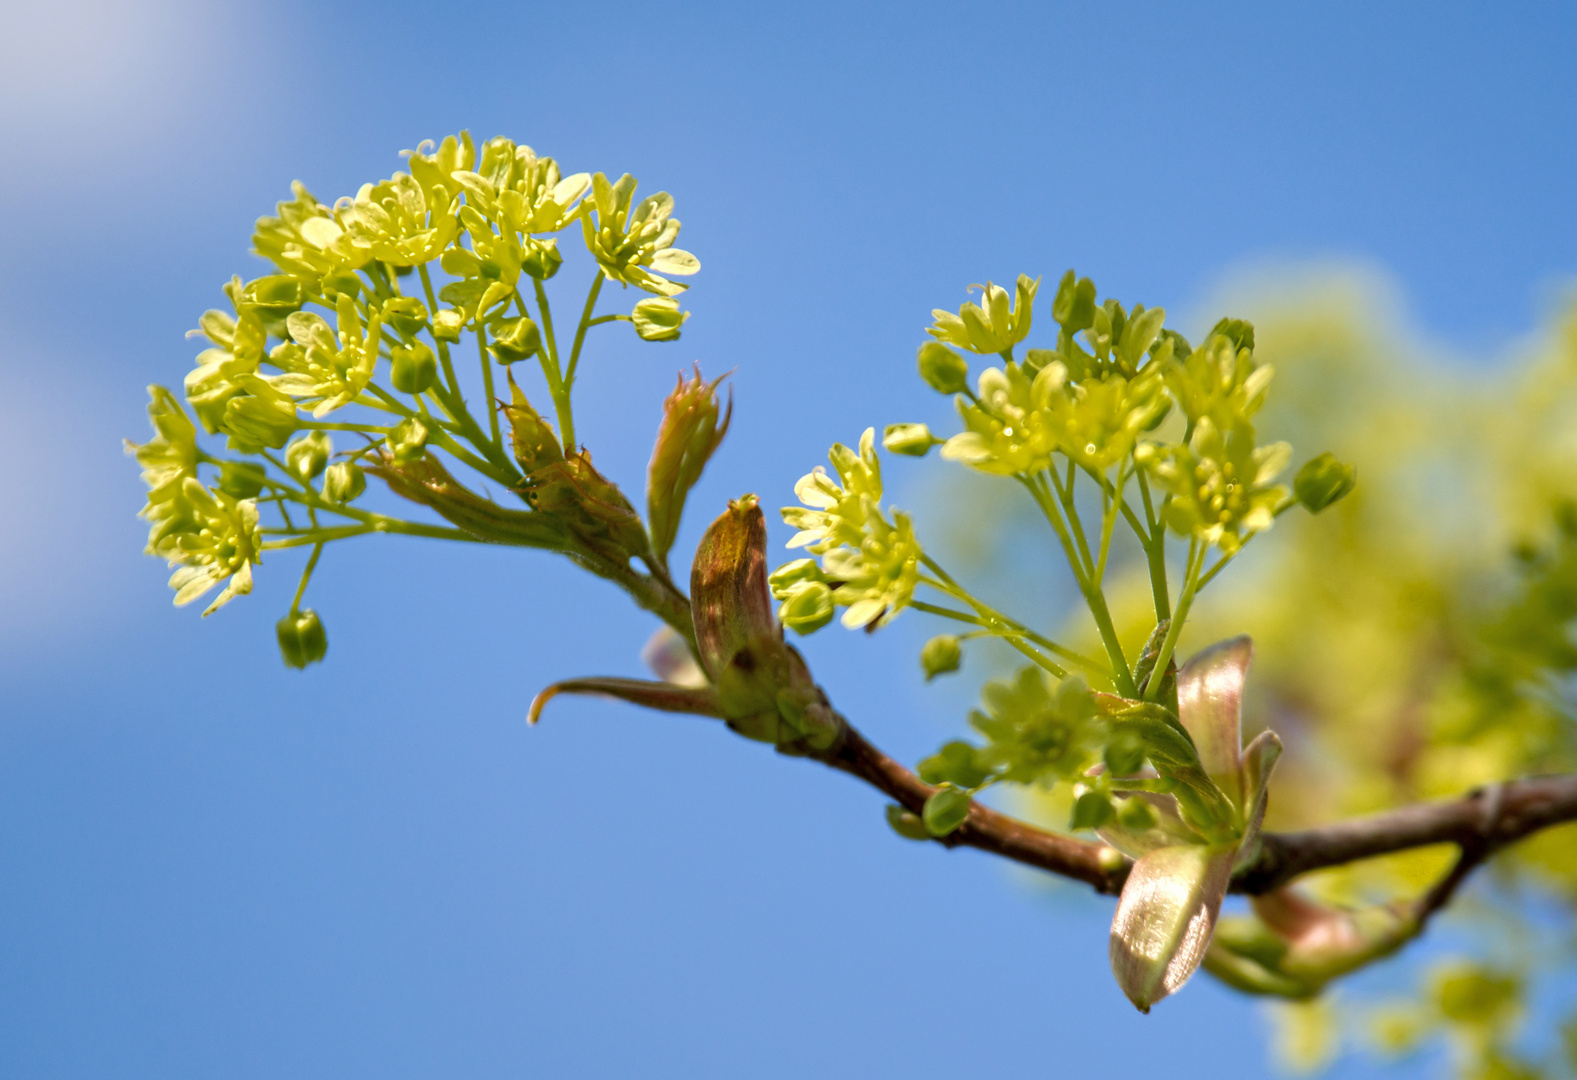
column 906, row 823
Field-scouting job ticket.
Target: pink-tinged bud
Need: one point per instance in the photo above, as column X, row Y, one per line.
column 1166, row 917
column 1210, row 706
column 689, row 433
column 729, row 597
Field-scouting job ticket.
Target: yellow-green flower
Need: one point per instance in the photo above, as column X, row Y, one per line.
column 1012, row 429
column 307, row 240
column 1097, row 421
column 1219, row 380
column 872, row 564
column 521, row 192
column 171, row 455
column 321, row 364
column 211, row 537
column 1220, row 483
column 238, row 349
column 994, row 325
column 626, row 242
column 402, row 222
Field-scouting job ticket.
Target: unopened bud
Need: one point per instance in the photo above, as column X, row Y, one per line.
column 806, row 607
column 301, row 638
column 447, row 325
column 543, row 261
column 692, row 428
column 1091, row 810
column 413, row 368
column 408, row 440
column 906, row 823
column 940, row 655
column 943, row 369
column 406, row 314
column 946, row 809
column 531, row 437
column 1322, row 481
column 728, row 585
column 309, row 454
column 241, row 479
column 343, row 481
column 915, row 440
column 658, row 318
column 514, row 339
column 1137, row 815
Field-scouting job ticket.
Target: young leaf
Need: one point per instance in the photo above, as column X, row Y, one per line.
column 1210, row 703
column 1165, row 918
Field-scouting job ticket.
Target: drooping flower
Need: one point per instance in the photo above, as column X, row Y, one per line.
column 171, row 455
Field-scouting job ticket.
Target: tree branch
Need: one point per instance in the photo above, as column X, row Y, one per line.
column 1479, row 823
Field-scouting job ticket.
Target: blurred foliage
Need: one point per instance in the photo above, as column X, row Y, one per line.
column 1413, row 642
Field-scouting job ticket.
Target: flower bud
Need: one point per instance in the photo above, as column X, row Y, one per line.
column 260, row 417
column 408, row 441
column 343, row 481
column 945, row 810
column 914, row 440
column 941, row 655
column 1091, row 810
column 806, row 607
column 543, row 261
column 514, row 339
column 241, row 479
column 689, row 434
column 309, row 454
column 532, row 439
column 906, row 824
column 1137, row 815
column 728, row 585
column 658, row 318
column 406, row 314
column 447, row 325
column 1322, row 481
column 414, row 369
column 943, row 369
column 301, row 638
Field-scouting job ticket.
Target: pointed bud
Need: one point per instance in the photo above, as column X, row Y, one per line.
column 531, row 437
column 687, row 437
column 1322, row 481
column 1165, row 919
column 728, row 585
column 301, row 638
column 943, row 369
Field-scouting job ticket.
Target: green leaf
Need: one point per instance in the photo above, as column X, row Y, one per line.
column 906, row 823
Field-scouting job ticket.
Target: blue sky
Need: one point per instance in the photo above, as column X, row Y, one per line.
column 210, row 865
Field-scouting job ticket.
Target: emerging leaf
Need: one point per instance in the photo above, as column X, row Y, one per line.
column 1165, row 918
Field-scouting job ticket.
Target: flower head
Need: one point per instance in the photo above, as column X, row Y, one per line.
column 1220, row 378
column 171, row 455
column 1012, row 428
column 324, row 365
column 1220, row 483
column 870, row 563
column 626, row 242
column 402, row 221
column 994, row 325
column 210, row 537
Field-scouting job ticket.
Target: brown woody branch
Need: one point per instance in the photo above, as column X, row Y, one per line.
column 1479, row 823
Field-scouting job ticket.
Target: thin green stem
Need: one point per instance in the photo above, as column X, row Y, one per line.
column 1196, row 561
column 487, row 384
column 998, row 625
column 1114, row 499
column 1154, row 544
column 1094, row 598
column 306, row 576
column 580, row 331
